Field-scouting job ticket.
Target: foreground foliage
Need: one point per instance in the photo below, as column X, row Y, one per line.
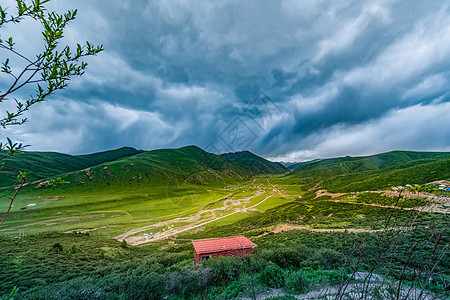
column 78, row 266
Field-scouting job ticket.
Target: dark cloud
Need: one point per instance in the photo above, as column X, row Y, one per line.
column 180, row 72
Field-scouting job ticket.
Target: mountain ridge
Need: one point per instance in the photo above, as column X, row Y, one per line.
column 43, row 165
column 255, row 164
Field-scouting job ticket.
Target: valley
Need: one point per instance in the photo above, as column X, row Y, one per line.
column 146, row 208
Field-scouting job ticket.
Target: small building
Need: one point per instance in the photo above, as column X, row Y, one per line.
column 236, row 246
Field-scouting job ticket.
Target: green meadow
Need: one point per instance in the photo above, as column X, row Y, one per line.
column 69, row 250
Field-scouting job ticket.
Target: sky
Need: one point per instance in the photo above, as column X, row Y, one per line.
column 287, row 80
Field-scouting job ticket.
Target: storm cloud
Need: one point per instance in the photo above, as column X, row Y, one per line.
column 288, row 80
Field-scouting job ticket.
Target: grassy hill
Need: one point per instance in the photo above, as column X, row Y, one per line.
column 127, row 167
column 295, row 166
column 255, row 164
column 49, row 164
column 375, row 171
column 187, row 165
column 152, row 184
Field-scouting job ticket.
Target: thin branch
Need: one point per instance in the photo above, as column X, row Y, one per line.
column 17, row 53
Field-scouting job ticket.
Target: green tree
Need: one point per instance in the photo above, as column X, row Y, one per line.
column 46, row 72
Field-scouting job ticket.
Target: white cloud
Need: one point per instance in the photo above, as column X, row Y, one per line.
column 419, row 127
column 427, row 46
column 428, row 86
column 349, row 31
column 313, row 103
column 77, row 127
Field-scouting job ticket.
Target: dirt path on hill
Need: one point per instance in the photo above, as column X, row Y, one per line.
column 436, row 203
column 436, row 206
column 227, row 204
column 288, row 227
column 321, row 193
column 275, row 188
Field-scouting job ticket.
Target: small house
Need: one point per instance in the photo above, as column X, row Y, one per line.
column 236, row 246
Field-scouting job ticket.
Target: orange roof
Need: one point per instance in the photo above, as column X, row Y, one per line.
column 222, row 244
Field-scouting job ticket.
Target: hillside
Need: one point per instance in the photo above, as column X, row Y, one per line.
column 295, row 166
column 49, row 164
column 255, row 164
column 187, row 165
column 375, row 171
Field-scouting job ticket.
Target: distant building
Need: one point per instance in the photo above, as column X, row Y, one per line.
column 236, row 246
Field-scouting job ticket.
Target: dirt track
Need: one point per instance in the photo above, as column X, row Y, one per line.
column 439, row 205
column 321, row 193
column 436, row 204
column 227, row 204
column 288, row 227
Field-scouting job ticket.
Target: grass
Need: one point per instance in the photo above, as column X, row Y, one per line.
column 151, row 187
column 228, row 220
column 158, row 206
column 255, row 164
column 380, row 171
column 272, row 202
column 56, row 265
column 49, row 164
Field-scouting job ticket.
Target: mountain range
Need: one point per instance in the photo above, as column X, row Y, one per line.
column 128, row 167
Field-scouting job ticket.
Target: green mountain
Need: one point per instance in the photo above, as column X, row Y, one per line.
column 295, row 166
column 49, row 164
column 375, row 171
column 255, row 164
column 187, row 165
column 130, row 168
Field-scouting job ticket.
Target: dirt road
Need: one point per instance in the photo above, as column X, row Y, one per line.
column 234, row 204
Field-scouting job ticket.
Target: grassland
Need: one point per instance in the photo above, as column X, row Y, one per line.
column 192, row 195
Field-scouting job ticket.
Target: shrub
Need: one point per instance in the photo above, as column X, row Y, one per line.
column 328, row 258
column 257, row 264
column 188, row 282
column 235, row 289
column 80, row 288
column 287, row 256
column 300, row 281
column 273, row 276
column 57, row 248
column 151, row 286
column 224, row 269
column 295, row 282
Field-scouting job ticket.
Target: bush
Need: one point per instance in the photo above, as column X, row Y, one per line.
column 80, row 288
column 151, row 286
column 295, row 282
column 224, row 269
column 236, row 289
column 300, row 281
column 287, row 256
column 328, row 258
column 273, row 276
column 57, row 248
column 189, row 282
column 257, row 264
